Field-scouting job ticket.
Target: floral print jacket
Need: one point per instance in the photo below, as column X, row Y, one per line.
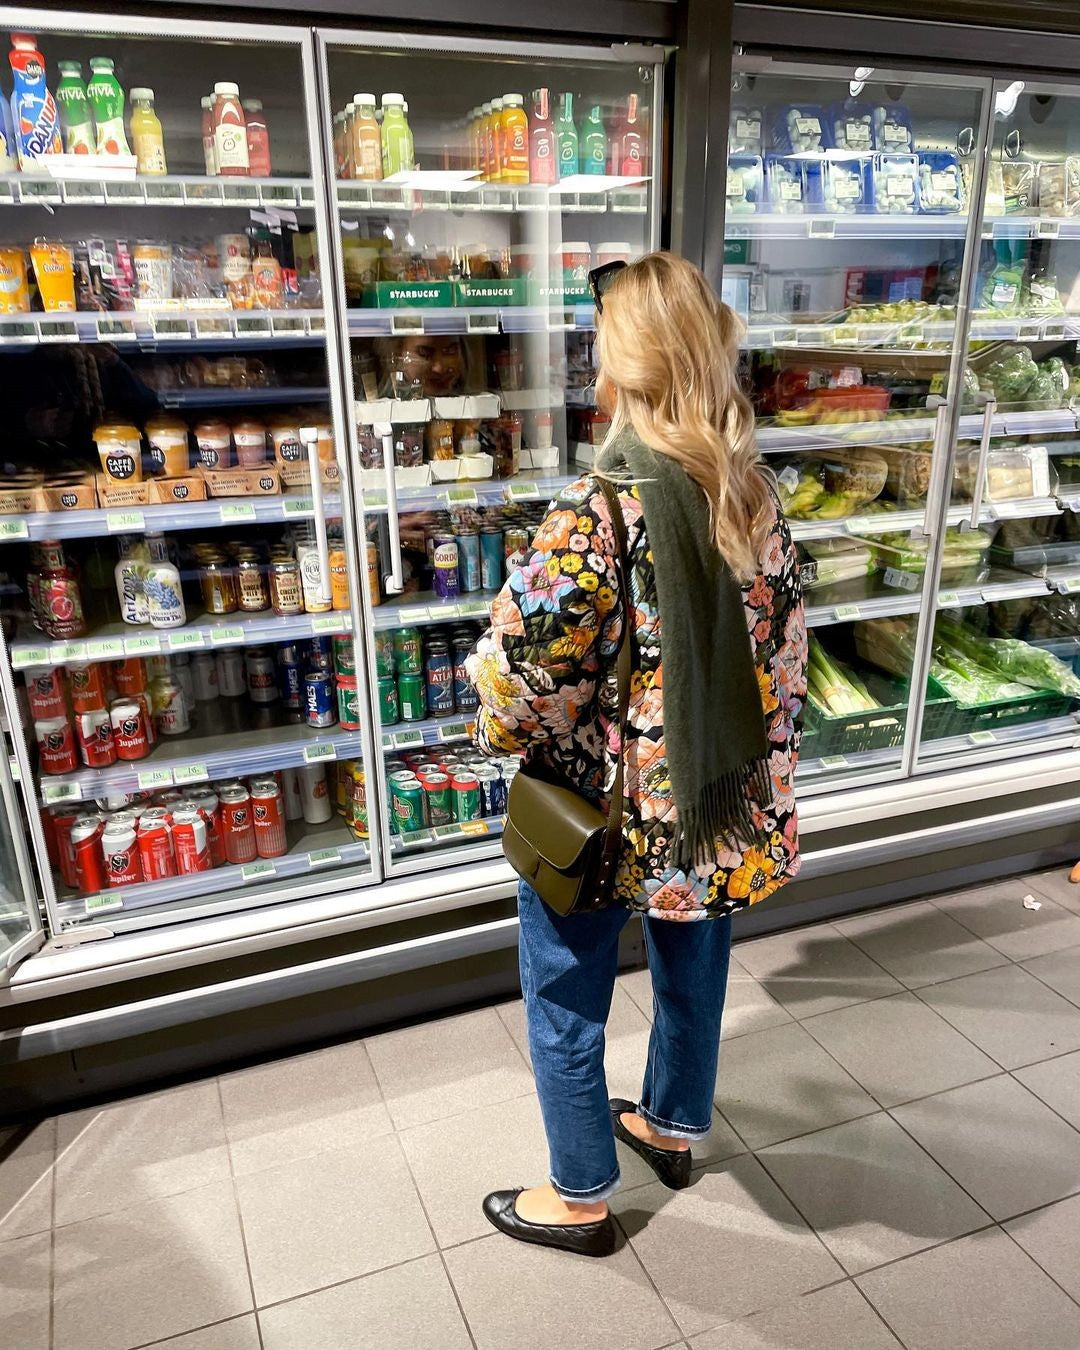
column 546, row 677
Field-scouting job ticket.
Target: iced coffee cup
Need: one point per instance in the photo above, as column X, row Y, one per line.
column 120, row 448
column 54, row 271
column 168, row 438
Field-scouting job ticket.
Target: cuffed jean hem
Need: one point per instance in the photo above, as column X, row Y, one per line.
column 670, row 1129
column 589, row 1197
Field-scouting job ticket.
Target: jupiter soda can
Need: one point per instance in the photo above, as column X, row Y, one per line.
column 268, row 815
column 439, row 678
column 236, row 823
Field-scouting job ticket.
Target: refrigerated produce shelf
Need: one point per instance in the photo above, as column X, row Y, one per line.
column 454, row 496
column 89, row 189
column 904, row 340
column 195, row 759
column 431, row 731
column 858, row 761
column 821, row 435
column 427, row 607
column 489, row 827
column 845, row 603
column 849, row 225
column 114, row 641
column 190, row 516
column 1053, row 733
column 241, row 398
column 886, row 522
column 310, row 848
column 461, row 321
column 166, row 329
column 357, row 196
column 1016, row 586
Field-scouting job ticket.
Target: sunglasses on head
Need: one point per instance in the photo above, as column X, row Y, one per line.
column 600, row 278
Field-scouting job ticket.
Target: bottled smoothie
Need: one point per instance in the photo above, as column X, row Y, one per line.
column 258, row 138
column 107, row 100
column 543, row 156
column 483, row 141
column 366, row 140
column 514, row 128
column 33, row 108
column 75, row 118
column 147, row 138
column 397, row 142
column 594, row 142
column 230, row 132
column 208, row 148
column 566, row 138
column 494, row 135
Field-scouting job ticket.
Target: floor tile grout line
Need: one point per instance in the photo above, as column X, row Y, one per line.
column 1049, row 1105
column 877, row 1311
column 347, row 1279
column 1036, row 976
column 629, row 1241
column 502, row 1022
column 1052, row 1278
column 239, row 1210
column 204, row 1326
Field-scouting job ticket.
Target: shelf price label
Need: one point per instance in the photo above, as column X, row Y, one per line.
column 331, row 623
column 105, row 649
column 151, row 779
column 29, row 656
column 982, row 738
column 298, row 506
column 232, row 512
column 192, row 638
column 404, row 740
column 224, row 637
column 413, row 614
column 948, row 600
column 190, row 773
column 14, row 529
column 523, row 492
column 120, row 521
column 59, row 792
column 374, row 499
column 142, row 646
column 253, row 871
column 453, row 731
column 314, row 753
column 101, row 904
column 461, row 496
column 1070, row 585
column 68, row 651
column 471, row 609
column 842, row 612
column 386, row 741
column 833, row 762
column 323, row 857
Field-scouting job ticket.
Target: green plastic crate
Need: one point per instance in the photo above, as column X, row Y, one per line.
column 882, row 729
column 1038, row 705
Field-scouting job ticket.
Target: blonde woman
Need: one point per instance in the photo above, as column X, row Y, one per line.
column 710, row 745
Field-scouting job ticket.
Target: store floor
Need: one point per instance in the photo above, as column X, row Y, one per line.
column 895, row 1161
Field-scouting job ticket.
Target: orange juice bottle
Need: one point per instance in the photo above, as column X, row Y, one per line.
column 514, row 140
column 366, row 140
column 483, row 141
column 494, row 140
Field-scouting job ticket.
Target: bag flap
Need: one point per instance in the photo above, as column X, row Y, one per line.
column 554, row 820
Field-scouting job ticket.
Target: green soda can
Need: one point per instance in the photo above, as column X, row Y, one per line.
column 465, row 787
column 412, row 697
column 406, row 804
column 408, row 651
column 389, row 708
column 348, row 704
column 345, row 656
column 439, row 796
column 384, row 655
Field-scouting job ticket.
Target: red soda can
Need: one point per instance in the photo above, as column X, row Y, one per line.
column 56, row 745
column 96, row 743
column 129, row 729
column 208, row 806
column 268, row 815
column 121, row 852
column 190, row 841
column 129, row 676
column 236, row 823
column 155, row 847
column 48, row 829
column 63, row 822
column 86, row 836
column 86, row 684
column 45, row 693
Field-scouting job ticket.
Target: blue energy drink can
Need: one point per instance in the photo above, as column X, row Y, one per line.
column 290, row 675
column 319, row 710
column 320, row 654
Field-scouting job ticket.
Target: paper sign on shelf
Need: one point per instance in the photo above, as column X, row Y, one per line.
column 948, row 600
column 453, row 731
column 13, row 529
column 231, row 512
column 59, row 792
column 331, row 623
column 522, row 492
column 67, row 651
column 833, row 762
column 404, row 740
column 142, row 646
column 461, row 496
column 322, row 857
column 105, row 649
column 177, row 641
column 413, row 614
column 298, row 506
column 29, row 656
column 101, row 904
column 842, row 612
column 982, row 738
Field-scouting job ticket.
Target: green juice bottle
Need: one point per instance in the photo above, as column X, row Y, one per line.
column 566, row 138
column 594, row 142
column 74, row 108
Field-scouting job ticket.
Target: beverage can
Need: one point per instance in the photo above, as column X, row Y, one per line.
column 439, row 797
column 254, row 592
column 515, row 547
column 357, row 816
column 384, row 655
column 86, row 683
column 389, row 705
column 411, row 698
column 408, row 652
column 315, row 802
column 268, row 815
column 467, row 798
column 96, row 742
column 371, row 553
column 319, row 699
column 45, row 692
column 237, row 826
column 319, row 655
column 190, row 841
column 492, row 790
column 290, row 791
column 407, row 804
column 56, row 745
column 345, row 656
column 129, row 729
column 156, row 849
column 290, row 677
column 129, row 676
column 89, row 860
column 204, row 677
column 120, row 853
column 209, row 808
column 261, row 676
column 217, row 582
column 60, row 822
column 439, row 678
column 339, row 577
column 466, row 699
column 469, row 576
column 170, row 708
column 231, row 677
column 445, row 579
column 491, row 558
column 348, row 703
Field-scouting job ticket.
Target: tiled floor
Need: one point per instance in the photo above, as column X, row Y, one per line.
column 895, row 1162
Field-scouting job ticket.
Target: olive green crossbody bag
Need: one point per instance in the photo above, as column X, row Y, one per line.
column 558, row 841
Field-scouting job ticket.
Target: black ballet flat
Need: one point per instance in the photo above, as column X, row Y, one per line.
column 585, row 1239
column 671, row 1167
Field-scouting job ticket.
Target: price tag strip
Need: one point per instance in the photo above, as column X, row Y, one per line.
column 60, row 792
column 233, row 512
column 190, row 773
column 324, row 857
column 150, row 645
column 124, row 521
column 332, row 623
column 314, row 753
column 105, row 649
column 102, row 904
column 14, row 529
column 151, row 779
column 257, row 870
column 225, row 637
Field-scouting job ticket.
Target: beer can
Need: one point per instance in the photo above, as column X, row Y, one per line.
column 468, row 545
column 348, row 703
column 408, row 652
column 61, row 822
column 319, row 655
column 290, row 676
column 96, row 742
column 491, row 558
column 492, row 790
column 439, row 678
column 129, row 676
column 319, row 699
column 57, row 752
column 231, row 676
column 156, row 849
column 286, row 589
column 253, row 592
column 358, row 812
column 171, row 708
column 389, row 705
column 466, row 699
column 217, row 581
column 384, row 655
column 407, row 804
column 205, row 801
column 120, row 854
column 445, row 579
column 411, row 698
column 45, row 692
column 316, row 805
column 86, row 684
column 345, row 655
column 89, row 860
column 339, row 781
column 129, row 729
column 191, row 841
column 515, row 547
column 290, row 791
column 204, row 676
column 143, row 700
column 438, row 796
column 237, row 826
column 261, row 676
column 373, row 572
column 268, row 817
column 466, row 791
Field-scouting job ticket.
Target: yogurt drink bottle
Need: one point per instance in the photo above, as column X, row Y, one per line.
column 107, row 100
column 74, row 106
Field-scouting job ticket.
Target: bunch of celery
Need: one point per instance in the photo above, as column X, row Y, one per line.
column 834, row 688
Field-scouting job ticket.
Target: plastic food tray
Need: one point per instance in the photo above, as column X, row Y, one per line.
column 1039, row 705
column 882, row 729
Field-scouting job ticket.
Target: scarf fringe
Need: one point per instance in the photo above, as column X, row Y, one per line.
column 722, row 814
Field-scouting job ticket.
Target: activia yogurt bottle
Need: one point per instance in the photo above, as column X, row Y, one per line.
column 107, row 100
column 75, row 119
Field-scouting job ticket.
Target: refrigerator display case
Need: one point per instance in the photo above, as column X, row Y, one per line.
column 897, row 244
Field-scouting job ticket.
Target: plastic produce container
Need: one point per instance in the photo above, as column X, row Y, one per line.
column 1012, row 472
column 745, row 185
column 893, row 130
column 787, row 187
column 847, row 183
column 883, row 728
column 1019, row 186
column 1059, row 187
column 896, row 185
column 800, row 128
column 746, row 131
column 941, row 183
column 851, row 126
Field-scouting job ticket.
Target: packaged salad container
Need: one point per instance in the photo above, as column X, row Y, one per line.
column 786, row 185
column 1059, row 187
column 847, row 183
column 799, row 129
column 746, row 131
column 1018, row 183
column 896, row 185
column 965, row 558
column 851, row 126
column 893, row 131
column 745, row 185
column 941, row 183
column 1012, row 472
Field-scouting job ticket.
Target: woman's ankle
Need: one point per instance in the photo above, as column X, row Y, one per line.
column 641, row 1129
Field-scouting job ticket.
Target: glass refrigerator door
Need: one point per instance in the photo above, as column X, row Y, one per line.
column 21, row 929
column 1005, row 644
column 844, row 245
column 474, row 192
column 179, row 590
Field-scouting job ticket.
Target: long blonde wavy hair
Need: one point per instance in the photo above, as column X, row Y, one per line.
column 667, row 350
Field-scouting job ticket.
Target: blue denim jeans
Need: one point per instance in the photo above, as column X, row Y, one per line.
column 568, row 968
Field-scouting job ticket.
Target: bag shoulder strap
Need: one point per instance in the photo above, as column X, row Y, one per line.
column 624, row 655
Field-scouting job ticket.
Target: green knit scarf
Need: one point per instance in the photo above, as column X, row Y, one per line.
column 714, row 727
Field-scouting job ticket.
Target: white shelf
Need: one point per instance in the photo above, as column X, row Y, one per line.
column 454, row 496
column 114, row 641
column 573, row 317
column 891, row 522
column 428, row 608
column 18, row 189
column 887, row 606
column 165, row 327
column 432, row 731
column 867, row 225
column 446, row 836
column 906, row 339
column 811, row 770
column 912, row 430
column 616, row 197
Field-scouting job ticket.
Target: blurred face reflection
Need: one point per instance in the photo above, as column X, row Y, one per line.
column 439, row 362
